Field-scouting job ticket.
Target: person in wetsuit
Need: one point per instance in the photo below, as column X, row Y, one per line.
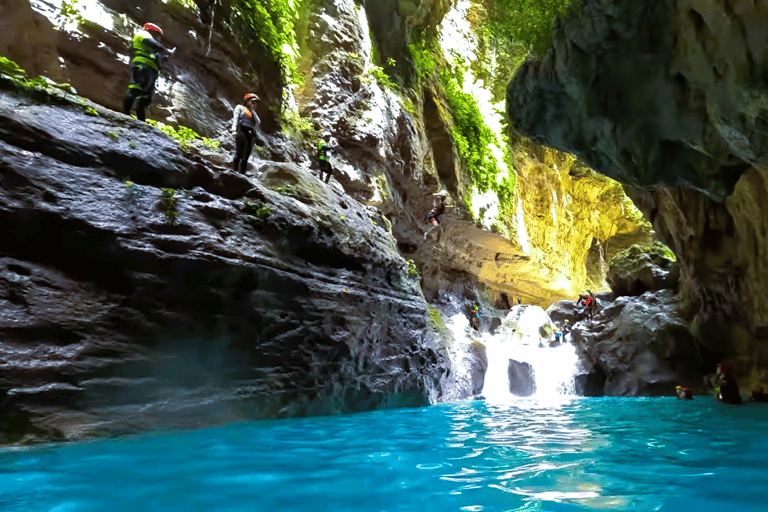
column 244, row 123
column 146, row 51
column 588, row 299
column 438, row 208
column 324, row 160
column 475, row 317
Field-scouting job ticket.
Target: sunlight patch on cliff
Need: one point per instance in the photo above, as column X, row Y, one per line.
column 522, row 233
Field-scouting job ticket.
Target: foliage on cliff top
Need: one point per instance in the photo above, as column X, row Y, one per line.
column 272, row 23
column 528, row 22
column 470, row 134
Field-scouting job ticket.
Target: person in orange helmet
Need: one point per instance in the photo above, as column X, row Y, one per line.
column 244, row 123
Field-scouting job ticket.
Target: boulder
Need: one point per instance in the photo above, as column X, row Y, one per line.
column 640, row 269
column 521, row 379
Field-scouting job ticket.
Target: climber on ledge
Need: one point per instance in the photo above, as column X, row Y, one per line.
column 323, row 159
column 145, row 66
column 244, row 123
column 475, row 317
column 590, row 305
column 438, row 208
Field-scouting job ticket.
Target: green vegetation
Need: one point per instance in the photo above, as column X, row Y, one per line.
column 130, row 186
column 11, row 72
column 382, row 78
column 133, row 144
column 272, row 24
column 438, row 324
column 662, row 250
column 412, row 270
column 170, row 204
column 70, row 13
column 527, row 22
column 183, row 135
column 257, row 208
column 470, row 134
column 113, row 135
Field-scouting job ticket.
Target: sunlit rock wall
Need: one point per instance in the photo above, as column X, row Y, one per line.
column 663, row 95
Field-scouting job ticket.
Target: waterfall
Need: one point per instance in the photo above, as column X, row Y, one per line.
column 524, row 337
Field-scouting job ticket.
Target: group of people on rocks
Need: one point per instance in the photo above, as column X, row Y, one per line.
column 147, row 52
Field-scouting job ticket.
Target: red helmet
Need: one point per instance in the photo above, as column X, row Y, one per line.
column 152, row 26
column 250, row 96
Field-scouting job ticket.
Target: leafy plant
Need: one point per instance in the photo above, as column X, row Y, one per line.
column 90, row 111
column 528, row 22
column 412, row 270
column 170, row 203
column 183, row 135
column 257, row 208
column 271, row 23
column 70, row 13
column 113, row 135
column 382, row 78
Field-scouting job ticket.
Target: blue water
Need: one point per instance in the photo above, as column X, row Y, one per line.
column 581, row 454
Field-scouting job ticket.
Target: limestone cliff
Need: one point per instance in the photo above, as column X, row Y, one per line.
column 670, row 98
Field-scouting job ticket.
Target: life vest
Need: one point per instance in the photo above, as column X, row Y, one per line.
column 145, row 52
column 322, row 152
column 245, row 121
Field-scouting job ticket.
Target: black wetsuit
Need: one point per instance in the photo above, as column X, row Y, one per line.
column 246, row 134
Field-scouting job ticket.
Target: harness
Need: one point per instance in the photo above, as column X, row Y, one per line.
column 245, row 121
column 587, row 301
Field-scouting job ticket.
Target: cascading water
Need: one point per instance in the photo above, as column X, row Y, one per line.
column 524, row 337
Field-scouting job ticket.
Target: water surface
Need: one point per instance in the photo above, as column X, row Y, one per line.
column 579, row 454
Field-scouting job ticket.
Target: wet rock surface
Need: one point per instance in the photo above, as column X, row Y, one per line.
column 257, row 298
column 636, row 345
column 521, row 380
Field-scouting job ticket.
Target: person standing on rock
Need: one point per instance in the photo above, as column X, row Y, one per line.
column 590, row 305
column 438, row 208
column 145, row 66
column 324, row 159
column 244, row 123
column 475, row 317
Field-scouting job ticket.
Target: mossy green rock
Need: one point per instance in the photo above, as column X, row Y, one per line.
column 642, row 268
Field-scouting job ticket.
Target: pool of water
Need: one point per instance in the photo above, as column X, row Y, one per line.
column 579, row 454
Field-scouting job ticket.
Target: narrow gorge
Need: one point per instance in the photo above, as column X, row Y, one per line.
column 145, row 285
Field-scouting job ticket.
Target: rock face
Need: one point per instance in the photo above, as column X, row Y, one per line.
column 521, row 381
column 643, row 93
column 635, row 346
column 259, row 298
column 663, row 95
column 640, row 269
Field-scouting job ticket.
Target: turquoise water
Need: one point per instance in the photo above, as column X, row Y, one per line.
column 582, row 454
